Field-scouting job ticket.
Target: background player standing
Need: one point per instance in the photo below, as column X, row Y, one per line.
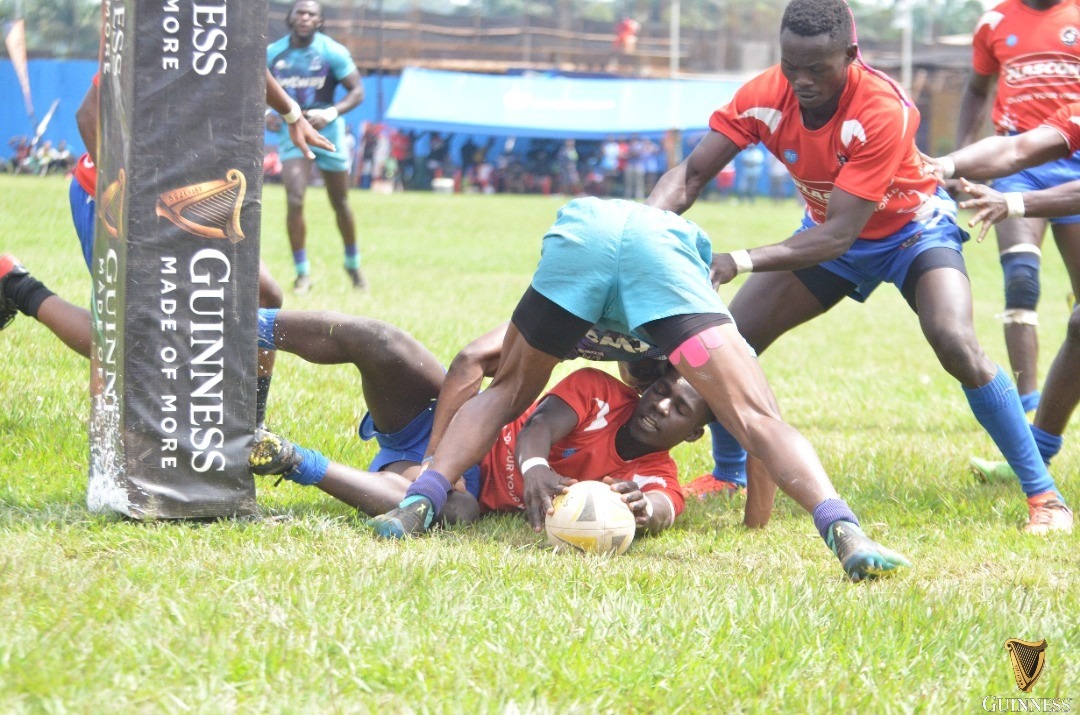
column 310, row 66
column 1025, row 44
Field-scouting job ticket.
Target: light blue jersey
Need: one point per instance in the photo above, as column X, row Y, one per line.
column 311, row 75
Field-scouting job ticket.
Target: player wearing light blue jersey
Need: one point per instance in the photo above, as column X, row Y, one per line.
column 310, row 66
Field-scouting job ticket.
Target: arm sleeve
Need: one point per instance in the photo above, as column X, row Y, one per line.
column 341, row 62
column 743, row 118
column 983, row 60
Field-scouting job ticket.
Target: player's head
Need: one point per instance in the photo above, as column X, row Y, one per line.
column 305, row 17
column 669, row 412
column 817, row 43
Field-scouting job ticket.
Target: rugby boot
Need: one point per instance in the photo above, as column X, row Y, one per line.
column 9, row 268
column 412, row 518
column 860, row 556
column 1046, row 513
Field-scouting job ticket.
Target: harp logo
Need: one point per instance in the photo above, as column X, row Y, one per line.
column 1028, row 659
column 210, row 209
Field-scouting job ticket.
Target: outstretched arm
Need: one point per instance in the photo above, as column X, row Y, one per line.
column 997, row 156
column 992, row 206
column 680, row 186
column 844, row 221
column 477, row 360
column 552, row 420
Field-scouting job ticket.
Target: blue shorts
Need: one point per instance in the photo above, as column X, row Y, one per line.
column 620, row 265
column 867, row 263
column 82, row 214
column 1044, row 176
column 409, row 444
column 325, row 160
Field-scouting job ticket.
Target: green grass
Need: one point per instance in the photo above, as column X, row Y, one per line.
column 304, row 611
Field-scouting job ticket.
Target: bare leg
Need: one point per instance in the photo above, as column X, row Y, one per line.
column 945, row 315
column 522, row 375
column 734, row 386
column 400, row 377
column 1061, row 393
column 337, row 189
column 770, row 304
column 294, row 175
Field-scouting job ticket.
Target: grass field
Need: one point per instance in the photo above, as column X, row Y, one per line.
column 304, row 611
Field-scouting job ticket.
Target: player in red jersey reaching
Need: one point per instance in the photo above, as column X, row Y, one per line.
column 846, row 134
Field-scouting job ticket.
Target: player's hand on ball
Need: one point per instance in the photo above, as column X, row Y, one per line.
column 632, row 496
column 723, row 269
column 541, row 484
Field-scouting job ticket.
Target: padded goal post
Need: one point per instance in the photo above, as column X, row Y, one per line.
column 176, row 258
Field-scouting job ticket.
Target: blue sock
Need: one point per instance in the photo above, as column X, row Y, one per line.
column 1030, row 401
column 265, row 328
column 1049, row 444
column 352, row 257
column 997, row 408
column 312, row 467
column 303, row 267
column 831, row 511
column 432, row 486
column 729, row 458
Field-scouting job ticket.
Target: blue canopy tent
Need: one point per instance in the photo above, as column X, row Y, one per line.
column 553, row 107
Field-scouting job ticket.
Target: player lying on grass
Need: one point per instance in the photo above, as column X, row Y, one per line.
column 590, row 426
column 1057, row 138
column 641, row 271
column 639, row 364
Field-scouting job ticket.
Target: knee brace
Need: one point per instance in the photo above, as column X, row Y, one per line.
column 1020, row 265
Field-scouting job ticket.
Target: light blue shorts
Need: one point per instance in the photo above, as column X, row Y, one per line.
column 409, row 444
column 1044, row 176
column 867, row 263
column 325, row 160
column 620, row 264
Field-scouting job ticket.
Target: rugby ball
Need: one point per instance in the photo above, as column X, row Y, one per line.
column 591, row 518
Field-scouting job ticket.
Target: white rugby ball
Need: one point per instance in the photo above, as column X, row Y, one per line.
column 591, row 518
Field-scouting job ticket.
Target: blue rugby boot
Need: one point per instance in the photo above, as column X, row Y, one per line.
column 860, row 556
column 412, row 518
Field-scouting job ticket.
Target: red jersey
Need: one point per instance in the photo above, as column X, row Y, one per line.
column 85, row 171
column 603, row 404
column 1036, row 56
column 1067, row 121
column 867, row 148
